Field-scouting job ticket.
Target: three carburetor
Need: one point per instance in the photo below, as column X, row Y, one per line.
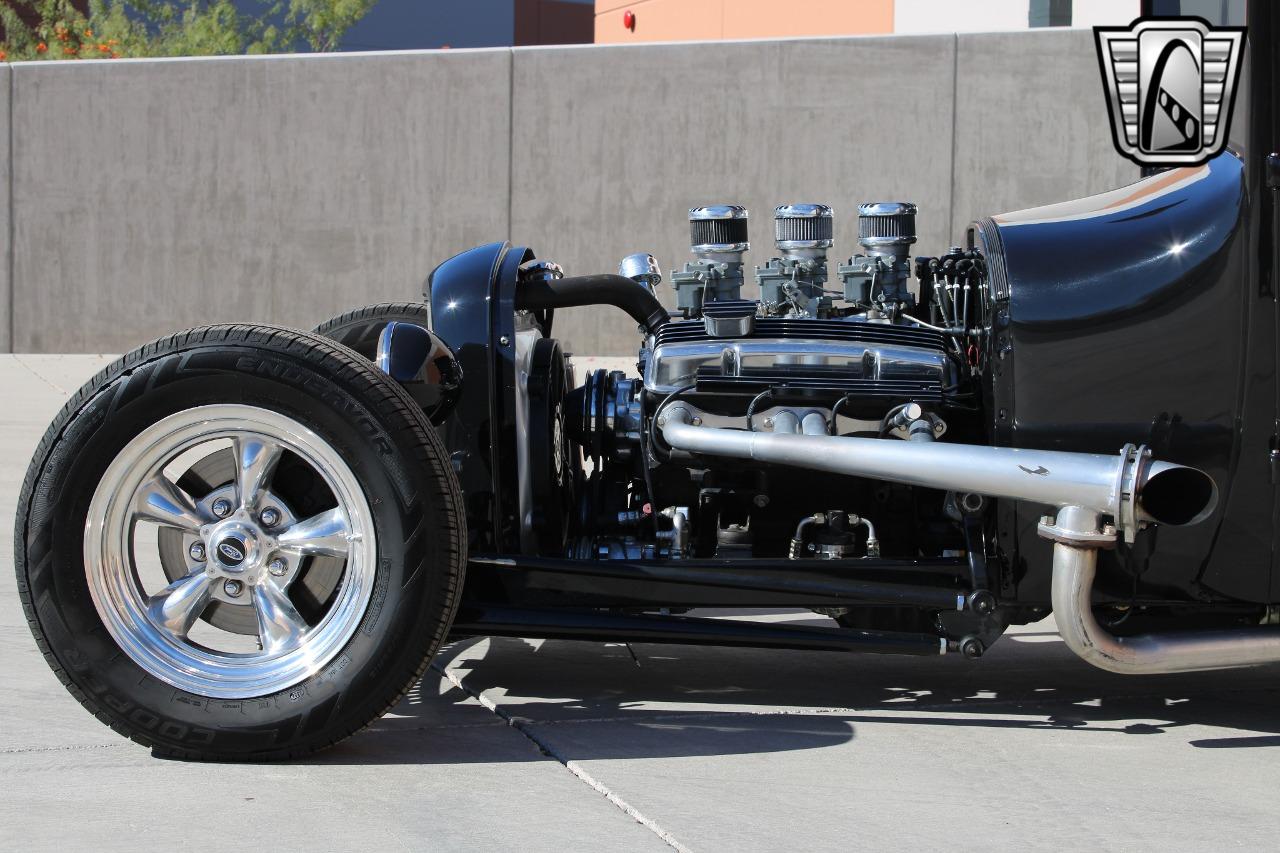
column 794, row 283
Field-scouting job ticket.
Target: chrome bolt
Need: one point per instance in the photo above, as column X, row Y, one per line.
column 197, row 551
column 233, row 588
column 768, row 423
column 277, row 567
column 504, row 340
column 270, row 517
column 222, row 507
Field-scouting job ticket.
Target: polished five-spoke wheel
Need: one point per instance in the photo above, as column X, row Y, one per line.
column 241, row 542
column 245, row 547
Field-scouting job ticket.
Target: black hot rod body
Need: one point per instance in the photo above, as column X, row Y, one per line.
column 1086, row 344
column 1074, row 412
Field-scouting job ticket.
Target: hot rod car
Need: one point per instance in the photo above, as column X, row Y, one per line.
column 246, row 542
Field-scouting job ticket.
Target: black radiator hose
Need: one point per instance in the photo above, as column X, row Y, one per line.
column 606, row 289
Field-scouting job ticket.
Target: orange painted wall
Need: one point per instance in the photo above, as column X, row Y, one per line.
column 690, row 20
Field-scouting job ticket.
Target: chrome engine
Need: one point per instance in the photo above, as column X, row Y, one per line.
column 868, row 353
column 865, row 338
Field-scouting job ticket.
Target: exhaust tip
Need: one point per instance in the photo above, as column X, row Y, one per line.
column 1177, row 495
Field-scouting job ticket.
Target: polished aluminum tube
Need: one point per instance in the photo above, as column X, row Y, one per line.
column 786, row 422
column 1126, row 486
column 1149, row 654
column 814, row 424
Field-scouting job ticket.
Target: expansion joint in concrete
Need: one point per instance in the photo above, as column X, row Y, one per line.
column 524, row 728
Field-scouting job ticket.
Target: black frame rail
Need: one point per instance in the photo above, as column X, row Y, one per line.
column 938, row 584
column 611, row 627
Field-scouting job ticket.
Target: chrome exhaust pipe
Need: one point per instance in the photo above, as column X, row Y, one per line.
column 1129, row 487
column 1074, row 566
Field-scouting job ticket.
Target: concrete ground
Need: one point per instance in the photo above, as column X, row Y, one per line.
column 531, row 746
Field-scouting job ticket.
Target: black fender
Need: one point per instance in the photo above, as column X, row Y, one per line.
column 472, row 298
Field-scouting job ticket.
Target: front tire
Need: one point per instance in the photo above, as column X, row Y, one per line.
column 239, row 542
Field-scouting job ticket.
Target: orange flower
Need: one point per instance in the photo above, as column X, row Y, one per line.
column 115, row 55
column 41, row 47
column 88, row 34
column 68, row 51
column 102, row 48
column 3, row 55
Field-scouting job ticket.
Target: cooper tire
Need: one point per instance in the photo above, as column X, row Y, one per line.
column 357, row 422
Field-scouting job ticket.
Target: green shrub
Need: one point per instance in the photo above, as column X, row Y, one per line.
column 110, row 29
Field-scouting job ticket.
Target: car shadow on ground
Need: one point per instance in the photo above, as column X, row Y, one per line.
column 698, row 701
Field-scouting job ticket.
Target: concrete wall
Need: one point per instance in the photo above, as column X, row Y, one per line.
column 153, row 195
column 1031, row 124
column 6, row 222
column 158, row 195
column 625, row 153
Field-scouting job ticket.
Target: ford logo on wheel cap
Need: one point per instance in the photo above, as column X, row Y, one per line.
column 231, row 552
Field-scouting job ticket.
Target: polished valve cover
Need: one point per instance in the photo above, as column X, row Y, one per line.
column 801, row 352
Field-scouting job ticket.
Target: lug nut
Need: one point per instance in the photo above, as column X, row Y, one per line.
column 197, row 551
column 222, row 507
column 233, row 588
column 277, row 567
column 270, row 517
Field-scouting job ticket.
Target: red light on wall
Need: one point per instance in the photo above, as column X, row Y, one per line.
column 629, row 20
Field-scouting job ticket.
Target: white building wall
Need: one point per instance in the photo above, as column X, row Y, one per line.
column 959, row 16
column 1104, row 13
column 983, row 16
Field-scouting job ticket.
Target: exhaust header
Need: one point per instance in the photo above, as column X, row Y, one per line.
column 1129, row 486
